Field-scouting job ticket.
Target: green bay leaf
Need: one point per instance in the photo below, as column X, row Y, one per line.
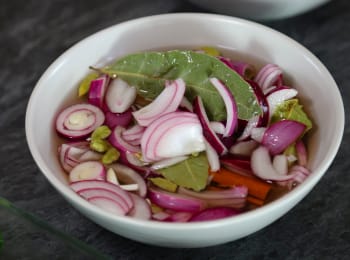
column 191, row 173
column 84, row 85
column 148, row 72
column 292, row 110
column 164, row 184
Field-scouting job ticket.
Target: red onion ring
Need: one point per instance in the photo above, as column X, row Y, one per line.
column 174, row 201
column 141, row 209
column 230, row 105
column 97, row 184
column 92, row 114
column 268, row 76
column 97, row 91
column 214, row 214
column 208, row 132
column 108, row 204
column 118, row 142
column 167, row 101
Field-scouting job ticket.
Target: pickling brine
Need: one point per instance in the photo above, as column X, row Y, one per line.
column 183, row 135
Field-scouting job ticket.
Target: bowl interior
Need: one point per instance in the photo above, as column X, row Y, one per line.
column 58, row 86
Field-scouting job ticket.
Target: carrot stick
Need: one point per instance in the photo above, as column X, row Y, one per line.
column 256, row 187
column 255, row 201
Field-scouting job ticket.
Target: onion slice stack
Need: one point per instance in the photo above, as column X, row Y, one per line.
column 230, row 105
column 208, row 132
column 175, row 201
column 167, row 101
column 263, row 168
column 97, row 91
column 117, row 140
column 268, row 76
column 105, row 195
column 173, row 134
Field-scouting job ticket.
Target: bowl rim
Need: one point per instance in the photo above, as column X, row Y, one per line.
column 64, row 189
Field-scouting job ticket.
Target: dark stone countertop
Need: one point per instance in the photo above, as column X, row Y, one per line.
column 34, row 33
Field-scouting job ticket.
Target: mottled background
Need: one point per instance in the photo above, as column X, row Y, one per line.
column 33, row 33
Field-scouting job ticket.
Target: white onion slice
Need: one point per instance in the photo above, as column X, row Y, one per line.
column 167, row 101
column 161, row 216
column 244, row 147
column 212, row 156
column 167, row 162
column 108, row 204
column 90, row 156
column 217, row 127
column 130, row 187
column 230, row 105
column 179, row 216
column 257, row 133
column 126, row 175
column 120, row 96
column 280, row 163
column 112, row 177
column 278, row 96
column 186, row 104
column 78, row 186
column 252, row 123
column 141, row 209
column 262, row 166
column 173, row 134
column 90, row 170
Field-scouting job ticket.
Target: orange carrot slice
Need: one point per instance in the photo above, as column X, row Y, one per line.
column 256, row 188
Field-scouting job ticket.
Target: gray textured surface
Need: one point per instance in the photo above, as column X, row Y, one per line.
column 34, row 33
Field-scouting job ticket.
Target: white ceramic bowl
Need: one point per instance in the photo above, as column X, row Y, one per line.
column 260, row 9
column 317, row 89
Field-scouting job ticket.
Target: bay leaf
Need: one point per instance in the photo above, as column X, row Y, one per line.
column 191, row 173
column 148, row 72
column 84, row 85
column 292, row 110
column 164, row 184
